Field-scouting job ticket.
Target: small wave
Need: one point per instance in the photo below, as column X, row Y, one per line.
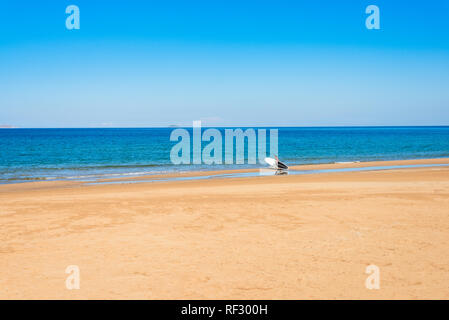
column 346, row 162
column 102, row 175
column 93, row 176
column 26, row 179
column 108, row 166
column 122, row 166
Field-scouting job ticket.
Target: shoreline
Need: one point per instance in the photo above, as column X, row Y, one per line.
column 191, row 175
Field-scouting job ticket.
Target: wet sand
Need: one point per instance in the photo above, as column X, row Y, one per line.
column 269, row 237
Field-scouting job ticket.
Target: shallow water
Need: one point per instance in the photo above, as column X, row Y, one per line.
column 268, row 172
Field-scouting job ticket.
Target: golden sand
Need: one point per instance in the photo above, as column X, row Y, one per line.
column 275, row 237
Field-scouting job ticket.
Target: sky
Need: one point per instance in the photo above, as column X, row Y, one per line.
column 226, row 63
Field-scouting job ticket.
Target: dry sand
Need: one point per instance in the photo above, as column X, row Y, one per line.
column 276, row 237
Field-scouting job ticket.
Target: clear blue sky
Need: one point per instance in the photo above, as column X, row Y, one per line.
column 157, row 63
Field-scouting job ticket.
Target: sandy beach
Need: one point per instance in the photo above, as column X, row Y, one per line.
column 269, row 237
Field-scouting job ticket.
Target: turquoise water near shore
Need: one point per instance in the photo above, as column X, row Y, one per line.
column 90, row 154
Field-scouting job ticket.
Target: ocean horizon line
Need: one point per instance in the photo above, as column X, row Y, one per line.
column 235, row 126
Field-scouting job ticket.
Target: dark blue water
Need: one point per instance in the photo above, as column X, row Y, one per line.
column 46, row 154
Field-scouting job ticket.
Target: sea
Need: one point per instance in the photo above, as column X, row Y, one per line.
column 90, row 154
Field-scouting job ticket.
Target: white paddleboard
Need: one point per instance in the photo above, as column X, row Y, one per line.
column 271, row 162
column 276, row 164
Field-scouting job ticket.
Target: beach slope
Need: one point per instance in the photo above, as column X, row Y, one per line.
column 275, row 237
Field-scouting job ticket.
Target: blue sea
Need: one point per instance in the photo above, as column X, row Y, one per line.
column 91, row 154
